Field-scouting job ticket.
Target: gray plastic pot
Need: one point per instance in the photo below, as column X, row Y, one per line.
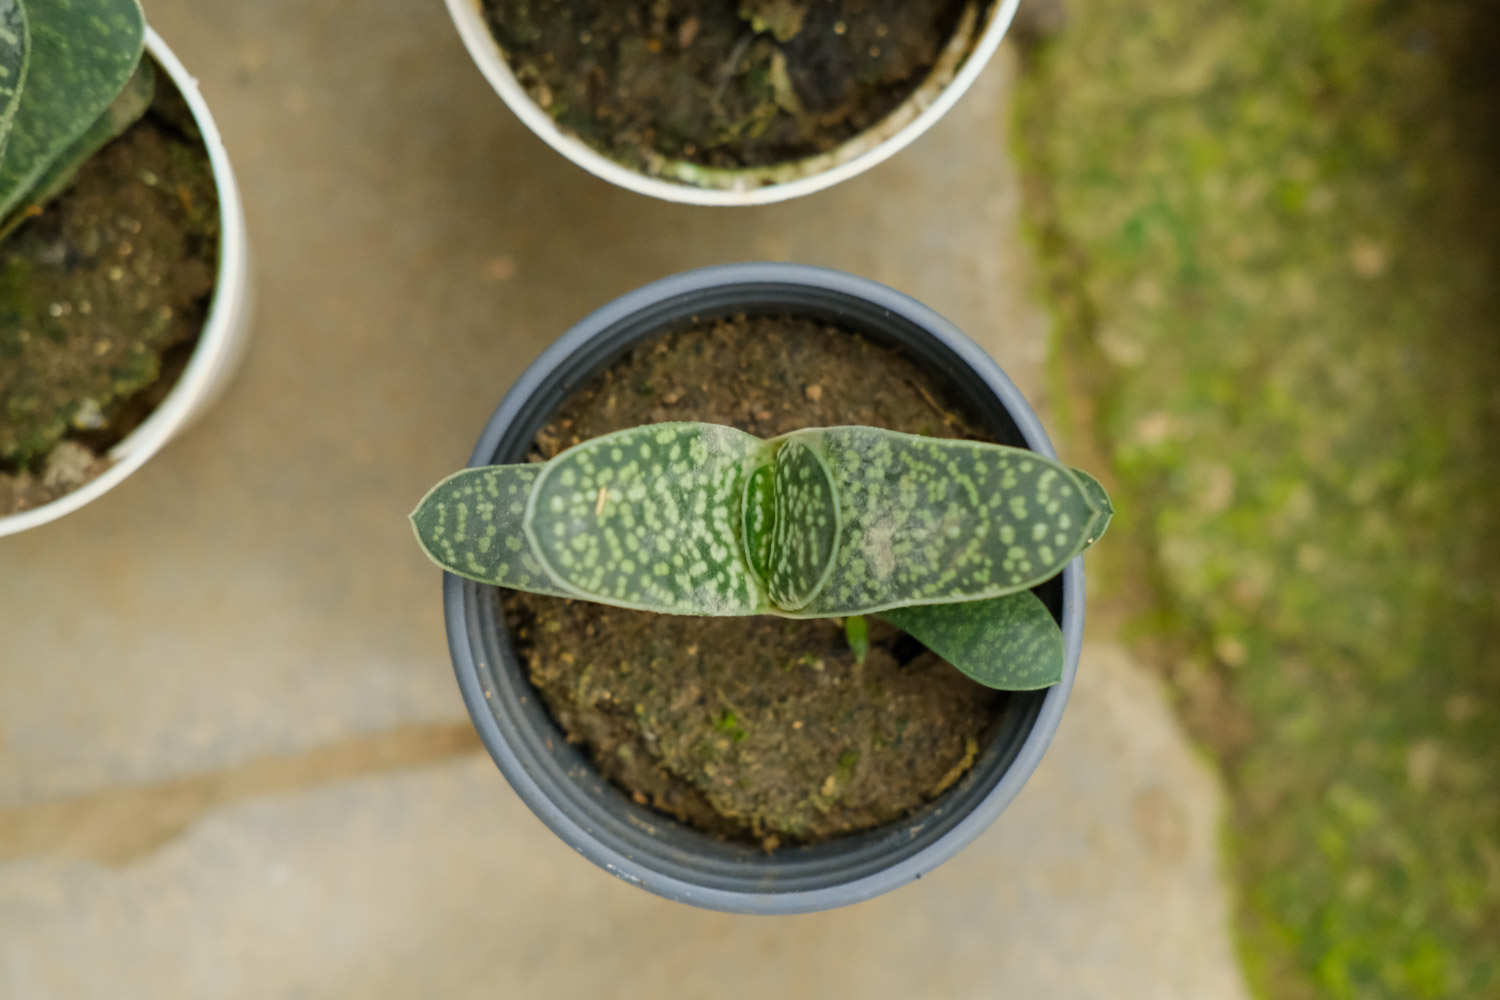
column 557, row 781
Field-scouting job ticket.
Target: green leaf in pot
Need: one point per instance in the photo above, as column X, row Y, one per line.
column 945, row 536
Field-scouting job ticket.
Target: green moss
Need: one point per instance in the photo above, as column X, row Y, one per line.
column 729, row 724
column 1270, row 246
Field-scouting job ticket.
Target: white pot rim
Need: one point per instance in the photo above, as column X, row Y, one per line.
column 220, row 344
column 923, row 109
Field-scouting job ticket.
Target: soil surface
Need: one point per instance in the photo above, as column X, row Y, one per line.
column 724, row 83
column 760, row 727
column 102, row 297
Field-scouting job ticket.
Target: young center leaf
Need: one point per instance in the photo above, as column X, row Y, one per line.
column 857, row 634
column 81, row 54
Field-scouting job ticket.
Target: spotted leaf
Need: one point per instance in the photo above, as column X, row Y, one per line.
column 15, row 52
column 82, row 53
column 943, row 538
column 1011, row 642
column 1099, row 501
column 472, row 524
column 651, row 518
column 933, row 520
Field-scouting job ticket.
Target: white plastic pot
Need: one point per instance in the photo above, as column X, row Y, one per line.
column 221, row 344
column 956, row 70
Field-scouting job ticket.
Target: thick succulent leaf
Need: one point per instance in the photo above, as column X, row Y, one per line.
column 82, row 54
column 124, row 111
column 15, row 50
column 693, row 518
column 758, row 518
column 651, row 518
column 1099, row 501
column 1011, row 642
column 471, row 524
column 933, row 520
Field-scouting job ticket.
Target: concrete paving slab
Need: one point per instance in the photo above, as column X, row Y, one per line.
column 1100, row 882
column 254, row 590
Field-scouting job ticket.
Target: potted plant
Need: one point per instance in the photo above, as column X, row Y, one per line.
column 751, row 757
column 123, row 261
column 730, row 102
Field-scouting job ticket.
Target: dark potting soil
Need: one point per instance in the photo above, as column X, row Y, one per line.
column 755, row 728
column 724, row 83
column 102, row 297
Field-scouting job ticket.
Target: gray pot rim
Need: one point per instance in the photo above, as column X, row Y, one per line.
column 646, row 848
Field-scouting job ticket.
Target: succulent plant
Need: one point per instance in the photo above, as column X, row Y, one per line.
column 943, row 538
column 71, row 79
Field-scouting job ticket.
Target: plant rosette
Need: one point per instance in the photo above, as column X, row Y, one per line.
column 976, row 36
column 971, row 548
column 61, row 103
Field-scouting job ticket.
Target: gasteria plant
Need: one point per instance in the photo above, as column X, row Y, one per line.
column 71, row 79
column 942, row 538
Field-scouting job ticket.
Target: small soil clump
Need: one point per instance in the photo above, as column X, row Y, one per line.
column 102, row 297
column 755, row 728
column 722, row 83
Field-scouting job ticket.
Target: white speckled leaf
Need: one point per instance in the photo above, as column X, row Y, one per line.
column 650, row 518
column 127, row 107
column 693, row 518
column 471, row 524
column 15, row 51
column 82, row 53
column 1011, row 643
column 1099, row 501
column 933, row 520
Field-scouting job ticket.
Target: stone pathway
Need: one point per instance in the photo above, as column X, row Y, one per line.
column 233, row 761
column 1101, row 881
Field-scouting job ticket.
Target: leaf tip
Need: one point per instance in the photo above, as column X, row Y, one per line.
column 1098, row 500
